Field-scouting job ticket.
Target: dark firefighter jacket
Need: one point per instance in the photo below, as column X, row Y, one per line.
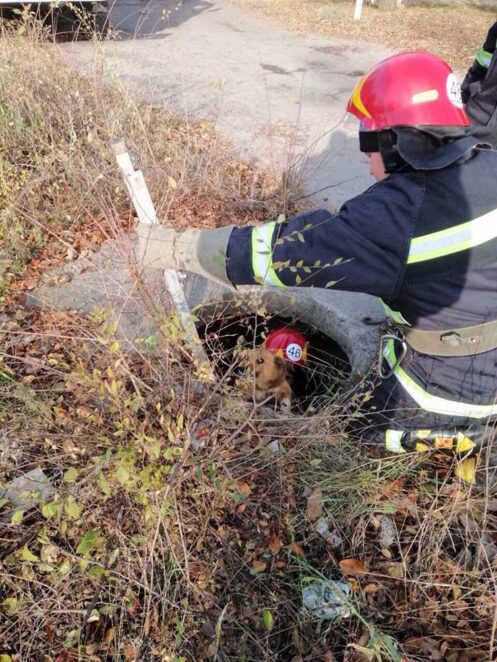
column 425, row 241
column 479, row 88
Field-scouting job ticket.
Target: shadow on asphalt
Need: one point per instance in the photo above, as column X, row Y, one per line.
column 333, row 170
column 124, row 20
column 142, row 19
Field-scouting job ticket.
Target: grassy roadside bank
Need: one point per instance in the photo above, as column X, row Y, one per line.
column 451, row 31
column 57, row 172
column 173, row 530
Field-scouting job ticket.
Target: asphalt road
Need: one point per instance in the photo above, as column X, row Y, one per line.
column 274, row 93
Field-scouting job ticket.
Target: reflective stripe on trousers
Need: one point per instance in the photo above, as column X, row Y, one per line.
column 433, row 403
column 393, row 439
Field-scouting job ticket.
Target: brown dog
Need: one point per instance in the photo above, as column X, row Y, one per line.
column 270, row 374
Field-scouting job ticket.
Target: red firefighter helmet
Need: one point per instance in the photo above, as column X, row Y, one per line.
column 408, row 89
column 288, row 344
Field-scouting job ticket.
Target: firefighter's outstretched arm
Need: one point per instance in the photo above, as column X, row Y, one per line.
column 362, row 248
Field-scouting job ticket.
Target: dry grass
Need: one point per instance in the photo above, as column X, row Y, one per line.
column 57, row 171
column 452, row 32
column 155, row 548
column 174, row 529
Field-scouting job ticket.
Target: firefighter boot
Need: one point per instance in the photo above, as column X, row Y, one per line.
column 465, row 449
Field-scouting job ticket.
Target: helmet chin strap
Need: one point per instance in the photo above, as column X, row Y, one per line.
column 387, row 142
column 384, row 142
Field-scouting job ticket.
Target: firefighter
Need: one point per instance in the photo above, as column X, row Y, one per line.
column 423, row 238
column 479, row 88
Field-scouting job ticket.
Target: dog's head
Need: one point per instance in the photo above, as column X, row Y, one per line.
column 268, row 369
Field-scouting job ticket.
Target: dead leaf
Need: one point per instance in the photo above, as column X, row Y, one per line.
column 315, row 504
column 69, row 655
column 366, row 653
column 109, row 635
column 353, row 566
column 68, row 446
column 243, row 487
column 296, row 549
column 395, row 570
column 49, row 553
column 130, row 652
column 388, row 489
column 92, row 649
column 259, row 566
column 371, row 588
column 275, row 544
column 425, row 645
column 332, row 440
column 146, row 625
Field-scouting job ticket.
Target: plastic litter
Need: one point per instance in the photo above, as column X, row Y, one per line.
column 201, row 434
column 388, row 532
column 332, row 537
column 326, row 598
column 274, row 446
column 29, row 489
column 26, row 492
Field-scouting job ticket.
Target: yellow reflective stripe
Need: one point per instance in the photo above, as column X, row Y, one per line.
column 392, row 441
column 453, row 240
column 394, row 314
column 433, row 403
column 356, row 97
column 423, row 97
column 262, row 255
column 483, row 57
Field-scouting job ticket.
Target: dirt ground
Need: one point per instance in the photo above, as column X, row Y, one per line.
column 453, row 32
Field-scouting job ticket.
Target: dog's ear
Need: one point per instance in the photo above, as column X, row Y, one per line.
column 281, row 363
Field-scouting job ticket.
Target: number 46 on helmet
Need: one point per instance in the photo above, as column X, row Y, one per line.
column 288, row 344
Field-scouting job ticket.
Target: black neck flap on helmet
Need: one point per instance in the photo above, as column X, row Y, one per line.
column 423, row 147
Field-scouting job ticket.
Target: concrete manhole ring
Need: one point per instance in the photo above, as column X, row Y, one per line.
column 338, row 315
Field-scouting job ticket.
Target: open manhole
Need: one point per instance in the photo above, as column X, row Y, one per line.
column 314, row 384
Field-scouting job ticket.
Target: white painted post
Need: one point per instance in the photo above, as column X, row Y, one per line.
column 145, row 210
column 358, row 9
